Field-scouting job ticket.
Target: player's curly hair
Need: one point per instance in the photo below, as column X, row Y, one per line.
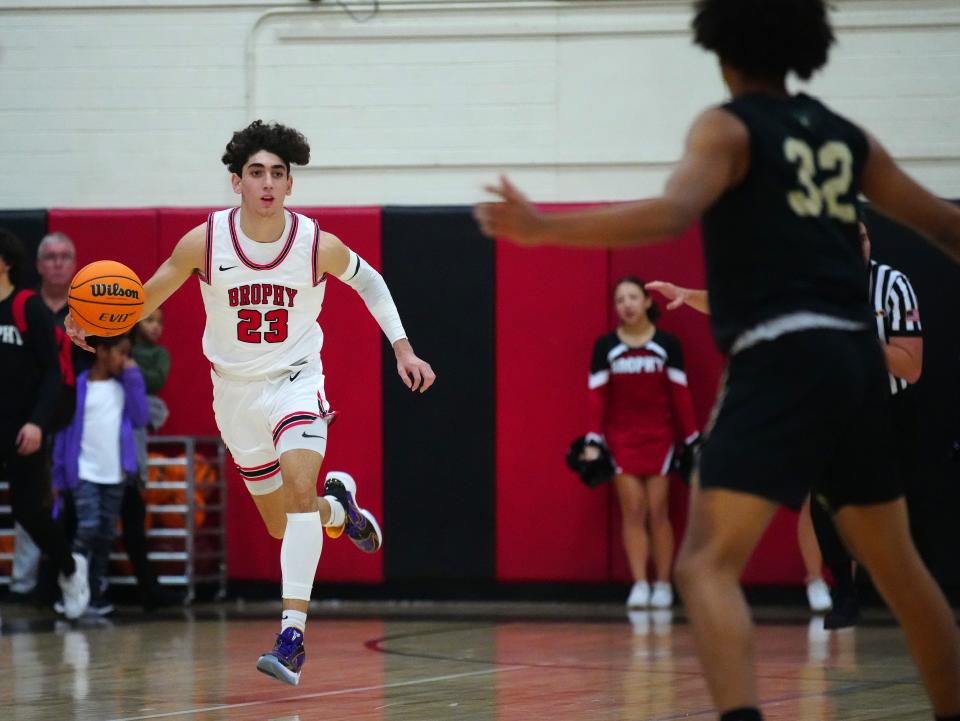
column 653, row 312
column 765, row 38
column 286, row 143
column 13, row 254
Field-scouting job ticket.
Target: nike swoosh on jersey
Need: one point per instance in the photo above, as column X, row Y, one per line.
column 294, row 376
column 227, row 267
column 308, row 435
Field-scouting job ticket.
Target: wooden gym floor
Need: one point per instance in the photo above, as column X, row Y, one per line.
column 443, row 662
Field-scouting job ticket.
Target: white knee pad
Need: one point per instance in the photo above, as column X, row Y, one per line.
column 309, row 437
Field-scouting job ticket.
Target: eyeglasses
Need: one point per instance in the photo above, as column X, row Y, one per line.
column 57, row 257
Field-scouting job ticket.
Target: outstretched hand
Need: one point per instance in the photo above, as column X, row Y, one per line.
column 77, row 334
column 673, row 293
column 512, row 217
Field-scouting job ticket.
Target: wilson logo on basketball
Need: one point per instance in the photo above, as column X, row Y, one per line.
column 115, row 289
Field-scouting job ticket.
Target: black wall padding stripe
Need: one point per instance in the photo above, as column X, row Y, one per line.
column 438, row 453
column 933, row 493
column 30, row 226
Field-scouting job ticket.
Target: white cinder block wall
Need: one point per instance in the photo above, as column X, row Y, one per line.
column 126, row 103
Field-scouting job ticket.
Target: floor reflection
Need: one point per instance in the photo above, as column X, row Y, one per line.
column 485, row 667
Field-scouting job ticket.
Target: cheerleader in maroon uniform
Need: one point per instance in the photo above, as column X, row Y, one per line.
column 641, row 406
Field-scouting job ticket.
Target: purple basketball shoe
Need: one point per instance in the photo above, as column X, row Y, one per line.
column 360, row 525
column 286, row 659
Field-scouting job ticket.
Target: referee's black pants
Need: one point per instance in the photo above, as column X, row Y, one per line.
column 834, row 552
column 133, row 514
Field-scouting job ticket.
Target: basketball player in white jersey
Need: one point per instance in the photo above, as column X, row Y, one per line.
column 263, row 272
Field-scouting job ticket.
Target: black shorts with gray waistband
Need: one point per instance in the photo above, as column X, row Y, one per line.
column 808, row 411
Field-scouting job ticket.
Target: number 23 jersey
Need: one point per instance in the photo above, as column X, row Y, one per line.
column 261, row 299
column 785, row 240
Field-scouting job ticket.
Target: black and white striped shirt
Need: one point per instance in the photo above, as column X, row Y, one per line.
column 895, row 308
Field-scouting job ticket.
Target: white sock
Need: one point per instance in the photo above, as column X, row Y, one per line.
column 295, row 619
column 337, row 514
column 300, row 554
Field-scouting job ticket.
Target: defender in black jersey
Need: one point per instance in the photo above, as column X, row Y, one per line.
column 897, row 323
column 774, row 177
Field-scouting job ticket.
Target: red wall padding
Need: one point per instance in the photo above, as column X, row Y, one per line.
column 552, row 304
column 127, row 236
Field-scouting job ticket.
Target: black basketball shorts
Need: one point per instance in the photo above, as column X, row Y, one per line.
column 808, row 411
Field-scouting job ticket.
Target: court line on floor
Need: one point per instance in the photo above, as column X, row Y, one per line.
column 321, row 694
column 377, row 645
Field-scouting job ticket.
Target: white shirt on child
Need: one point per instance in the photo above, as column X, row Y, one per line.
column 100, row 442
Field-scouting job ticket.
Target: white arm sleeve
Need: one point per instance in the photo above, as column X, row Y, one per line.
column 370, row 285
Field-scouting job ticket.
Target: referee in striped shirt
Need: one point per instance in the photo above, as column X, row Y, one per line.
column 897, row 316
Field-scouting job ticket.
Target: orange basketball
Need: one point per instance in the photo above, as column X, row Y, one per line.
column 105, row 298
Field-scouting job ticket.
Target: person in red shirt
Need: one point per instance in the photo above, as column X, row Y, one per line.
column 640, row 405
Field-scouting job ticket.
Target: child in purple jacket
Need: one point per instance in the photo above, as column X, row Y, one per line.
column 93, row 456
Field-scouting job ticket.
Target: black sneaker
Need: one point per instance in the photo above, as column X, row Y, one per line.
column 844, row 614
column 160, row 597
column 18, row 598
column 359, row 523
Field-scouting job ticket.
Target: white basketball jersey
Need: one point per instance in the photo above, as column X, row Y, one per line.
column 262, row 299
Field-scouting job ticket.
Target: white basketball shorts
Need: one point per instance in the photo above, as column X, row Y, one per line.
column 261, row 419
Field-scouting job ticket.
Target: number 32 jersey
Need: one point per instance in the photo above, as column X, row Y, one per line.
column 785, row 240
column 261, row 299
